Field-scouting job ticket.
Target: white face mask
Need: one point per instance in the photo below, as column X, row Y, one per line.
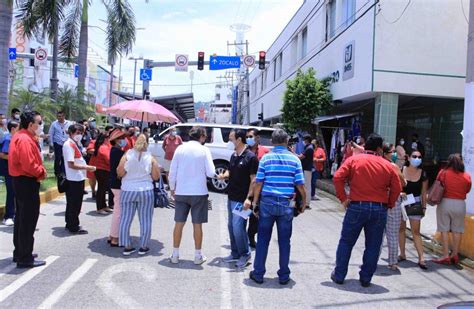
column 39, row 131
column 17, row 117
column 230, row 145
column 402, row 142
column 77, row 138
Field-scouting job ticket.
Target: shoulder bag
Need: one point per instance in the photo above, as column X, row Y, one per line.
column 437, row 191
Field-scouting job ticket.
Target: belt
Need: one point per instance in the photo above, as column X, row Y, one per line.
column 367, row 202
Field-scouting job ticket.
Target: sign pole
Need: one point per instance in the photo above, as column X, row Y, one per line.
column 247, row 84
column 134, row 78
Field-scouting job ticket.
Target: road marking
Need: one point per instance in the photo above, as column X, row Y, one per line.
column 7, row 269
column 226, row 292
column 108, row 286
column 68, row 284
column 30, row 274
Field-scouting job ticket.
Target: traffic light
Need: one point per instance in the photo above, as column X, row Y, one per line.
column 260, row 116
column 200, row 61
column 146, row 94
column 261, row 60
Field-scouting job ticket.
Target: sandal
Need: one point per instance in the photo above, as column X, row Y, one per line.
column 422, row 265
column 393, row 267
column 401, row 258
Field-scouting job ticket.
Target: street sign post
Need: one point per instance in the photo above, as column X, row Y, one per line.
column 12, row 53
column 224, row 62
column 76, row 71
column 145, row 74
column 249, row 61
column 181, row 63
column 41, row 56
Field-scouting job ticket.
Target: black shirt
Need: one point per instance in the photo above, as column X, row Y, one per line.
column 415, row 187
column 240, row 168
column 307, row 162
column 115, row 157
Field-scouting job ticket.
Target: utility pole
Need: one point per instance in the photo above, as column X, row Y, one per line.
column 111, row 83
column 247, row 84
column 468, row 126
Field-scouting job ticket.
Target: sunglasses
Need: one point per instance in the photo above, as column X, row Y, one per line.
column 416, row 157
column 40, row 123
column 250, row 136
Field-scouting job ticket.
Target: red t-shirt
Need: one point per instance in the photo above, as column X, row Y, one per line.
column 261, row 151
column 456, row 185
column 130, row 143
column 102, row 160
column 319, row 153
column 25, row 157
column 170, row 146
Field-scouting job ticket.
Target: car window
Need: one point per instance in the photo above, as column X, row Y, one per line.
column 266, row 137
column 183, row 132
column 210, row 135
column 225, row 134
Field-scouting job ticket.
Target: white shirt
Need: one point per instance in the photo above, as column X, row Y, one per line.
column 191, row 163
column 138, row 168
column 71, row 153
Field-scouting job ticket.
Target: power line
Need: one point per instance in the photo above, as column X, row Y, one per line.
column 399, row 17
column 464, row 13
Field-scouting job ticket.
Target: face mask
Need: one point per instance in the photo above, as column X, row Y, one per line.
column 414, row 145
column 137, row 134
column 230, row 145
column 122, row 143
column 415, row 162
column 38, row 131
column 173, row 133
column 402, row 142
column 358, row 141
column 92, row 124
column 394, row 157
column 77, row 138
column 250, row 141
column 17, row 117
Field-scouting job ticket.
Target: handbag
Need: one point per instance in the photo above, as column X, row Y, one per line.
column 412, row 205
column 62, row 183
column 161, row 196
column 437, row 191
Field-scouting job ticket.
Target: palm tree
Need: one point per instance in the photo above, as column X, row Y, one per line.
column 24, row 99
column 120, row 34
column 6, row 12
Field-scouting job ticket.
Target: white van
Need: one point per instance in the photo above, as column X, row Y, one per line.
column 217, row 139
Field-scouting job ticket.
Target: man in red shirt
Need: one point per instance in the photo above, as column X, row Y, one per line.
column 130, row 139
column 170, row 143
column 25, row 165
column 374, row 187
column 319, row 157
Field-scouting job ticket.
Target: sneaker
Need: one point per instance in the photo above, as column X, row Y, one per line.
column 243, row 261
column 198, row 260
column 254, row 279
column 102, row 212
column 230, row 259
column 128, row 252
column 174, row 259
column 333, row 278
column 79, row 232
column 8, row 222
column 143, row 251
column 308, row 207
column 315, row 198
column 108, row 209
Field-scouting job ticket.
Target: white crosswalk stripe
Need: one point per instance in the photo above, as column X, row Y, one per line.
column 68, row 284
column 30, row 274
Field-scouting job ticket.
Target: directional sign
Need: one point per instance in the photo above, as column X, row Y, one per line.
column 249, row 61
column 12, row 53
column 145, row 74
column 76, row 71
column 224, row 62
column 41, row 56
column 181, row 63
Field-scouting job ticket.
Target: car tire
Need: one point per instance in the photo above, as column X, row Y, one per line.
column 217, row 185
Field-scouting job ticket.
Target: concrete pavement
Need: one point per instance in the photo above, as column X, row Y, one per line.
column 84, row 272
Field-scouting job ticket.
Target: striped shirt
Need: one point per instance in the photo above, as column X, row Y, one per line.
column 280, row 170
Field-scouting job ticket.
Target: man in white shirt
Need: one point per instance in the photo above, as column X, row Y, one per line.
column 191, row 165
column 75, row 167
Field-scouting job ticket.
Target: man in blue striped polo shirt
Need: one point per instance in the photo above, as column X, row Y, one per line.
column 278, row 173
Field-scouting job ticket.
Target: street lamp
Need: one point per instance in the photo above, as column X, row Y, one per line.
column 135, row 72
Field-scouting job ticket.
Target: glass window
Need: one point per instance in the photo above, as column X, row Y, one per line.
column 266, row 137
column 304, row 42
column 330, row 19
column 210, row 135
column 225, row 134
column 218, row 96
column 183, row 132
column 349, row 10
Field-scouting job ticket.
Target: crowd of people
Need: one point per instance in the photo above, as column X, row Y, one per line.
column 379, row 189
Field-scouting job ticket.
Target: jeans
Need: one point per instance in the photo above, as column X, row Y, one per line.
column 239, row 240
column 274, row 209
column 314, row 178
column 371, row 217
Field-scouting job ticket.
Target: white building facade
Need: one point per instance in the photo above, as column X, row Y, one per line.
column 399, row 64
column 221, row 109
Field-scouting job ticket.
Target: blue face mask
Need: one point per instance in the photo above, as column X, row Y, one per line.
column 415, row 162
column 250, row 141
column 123, row 143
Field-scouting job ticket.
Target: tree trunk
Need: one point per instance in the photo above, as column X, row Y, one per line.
column 82, row 57
column 6, row 15
column 54, row 75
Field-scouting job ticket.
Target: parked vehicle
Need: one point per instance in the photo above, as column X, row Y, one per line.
column 217, row 140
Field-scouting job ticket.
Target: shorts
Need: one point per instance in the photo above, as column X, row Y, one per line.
column 166, row 165
column 198, row 204
column 450, row 215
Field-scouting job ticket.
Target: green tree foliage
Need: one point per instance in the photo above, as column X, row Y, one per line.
column 305, row 98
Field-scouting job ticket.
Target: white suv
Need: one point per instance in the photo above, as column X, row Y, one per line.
column 217, row 139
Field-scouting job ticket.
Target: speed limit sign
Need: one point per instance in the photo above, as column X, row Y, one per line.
column 249, row 61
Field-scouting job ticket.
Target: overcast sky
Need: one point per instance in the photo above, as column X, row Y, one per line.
column 187, row 27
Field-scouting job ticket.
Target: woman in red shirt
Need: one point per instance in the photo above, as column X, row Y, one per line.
column 101, row 160
column 452, row 209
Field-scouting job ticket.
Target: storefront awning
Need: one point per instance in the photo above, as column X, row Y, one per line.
column 320, row 119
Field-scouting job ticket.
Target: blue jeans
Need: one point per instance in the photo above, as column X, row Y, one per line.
column 372, row 217
column 274, row 209
column 314, row 178
column 239, row 240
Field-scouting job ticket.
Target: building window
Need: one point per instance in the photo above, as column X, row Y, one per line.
column 218, row 96
column 277, row 65
column 304, row 42
column 262, row 85
column 330, row 19
column 294, row 50
column 348, row 13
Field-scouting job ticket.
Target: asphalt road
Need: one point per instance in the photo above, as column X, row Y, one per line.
column 84, row 272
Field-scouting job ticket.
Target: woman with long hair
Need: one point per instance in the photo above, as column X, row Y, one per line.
column 101, row 160
column 417, row 184
column 138, row 169
column 394, row 215
column 452, row 209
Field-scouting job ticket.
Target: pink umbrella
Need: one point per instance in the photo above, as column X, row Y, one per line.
column 142, row 110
